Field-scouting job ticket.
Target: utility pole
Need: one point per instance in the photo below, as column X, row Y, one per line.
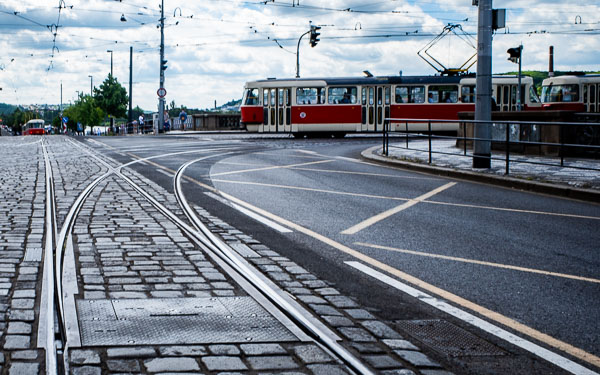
column 111, row 61
column 130, row 115
column 161, row 99
column 483, row 106
column 91, row 85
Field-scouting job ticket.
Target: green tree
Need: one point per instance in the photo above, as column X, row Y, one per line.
column 86, row 111
column 111, row 97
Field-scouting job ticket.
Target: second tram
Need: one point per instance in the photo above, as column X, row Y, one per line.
column 572, row 93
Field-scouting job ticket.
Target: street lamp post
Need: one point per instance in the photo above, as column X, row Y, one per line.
column 91, row 85
column 111, row 61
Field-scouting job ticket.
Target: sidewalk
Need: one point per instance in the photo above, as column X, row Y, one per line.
column 555, row 180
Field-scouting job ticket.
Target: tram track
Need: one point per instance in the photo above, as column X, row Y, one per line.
column 215, row 248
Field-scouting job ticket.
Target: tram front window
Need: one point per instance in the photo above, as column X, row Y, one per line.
column 251, row 97
column 560, row 93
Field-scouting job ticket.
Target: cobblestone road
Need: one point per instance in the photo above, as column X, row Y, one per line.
column 136, row 276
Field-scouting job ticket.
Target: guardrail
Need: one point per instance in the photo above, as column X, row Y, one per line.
column 573, row 138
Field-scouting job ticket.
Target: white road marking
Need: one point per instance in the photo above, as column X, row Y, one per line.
column 159, row 170
column 482, row 263
column 255, row 216
column 546, row 354
column 384, row 215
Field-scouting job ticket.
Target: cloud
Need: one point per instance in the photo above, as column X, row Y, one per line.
column 215, row 46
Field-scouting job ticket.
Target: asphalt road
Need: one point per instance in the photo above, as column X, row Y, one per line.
column 532, row 259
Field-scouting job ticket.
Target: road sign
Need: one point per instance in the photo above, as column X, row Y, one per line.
column 162, row 92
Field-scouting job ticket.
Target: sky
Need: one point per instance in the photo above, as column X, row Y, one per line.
column 214, row 46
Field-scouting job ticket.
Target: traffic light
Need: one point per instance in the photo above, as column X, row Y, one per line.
column 164, row 66
column 314, row 35
column 515, row 54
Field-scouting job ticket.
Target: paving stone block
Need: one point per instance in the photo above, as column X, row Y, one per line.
column 382, row 362
column 21, row 328
column 321, row 369
column 262, row 349
column 312, row 354
column 224, row 349
column 130, row 352
column 129, row 365
column 356, row 334
column 220, row 363
column 416, row 358
column 21, row 368
column 86, row 370
column 380, row 329
column 13, row 342
column 272, row 363
column 400, row 344
column 84, row 357
column 177, row 351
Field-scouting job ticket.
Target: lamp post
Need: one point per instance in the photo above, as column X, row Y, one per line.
column 91, row 85
column 111, row 61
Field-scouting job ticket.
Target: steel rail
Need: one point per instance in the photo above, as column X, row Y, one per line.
column 49, row 257
column 216, row 248
column 291, row 308
column 55, row 257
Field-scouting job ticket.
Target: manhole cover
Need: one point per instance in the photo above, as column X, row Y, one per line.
column 448, row 339
column 164, row 321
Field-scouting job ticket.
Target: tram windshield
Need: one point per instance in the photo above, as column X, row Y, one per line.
column 560, row 93
column 251, row 97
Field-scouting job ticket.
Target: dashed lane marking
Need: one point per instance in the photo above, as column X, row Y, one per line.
column 514, row 210
column 541, row 352
column 310, row 189
column 269, row 168
column 384, row 215
column 480, row 262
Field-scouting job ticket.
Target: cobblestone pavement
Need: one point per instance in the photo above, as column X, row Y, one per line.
column 127, row 252
column 449, row 156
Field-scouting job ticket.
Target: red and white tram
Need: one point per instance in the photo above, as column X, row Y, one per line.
column 344, row 105
column 572, row 93
column 34, row 127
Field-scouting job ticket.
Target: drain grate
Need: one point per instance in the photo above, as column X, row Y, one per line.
column 164, row 321
column 448, row 339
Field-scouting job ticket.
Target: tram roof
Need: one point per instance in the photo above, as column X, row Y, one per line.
column 335, row 81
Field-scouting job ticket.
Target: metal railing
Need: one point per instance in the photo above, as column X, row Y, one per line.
column 573, row 138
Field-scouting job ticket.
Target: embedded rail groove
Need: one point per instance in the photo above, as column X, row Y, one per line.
column 215, row 248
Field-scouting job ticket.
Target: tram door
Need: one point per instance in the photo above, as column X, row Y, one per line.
column 284, row 110
column 591, row 98
column 375, row 107
column 276, row 110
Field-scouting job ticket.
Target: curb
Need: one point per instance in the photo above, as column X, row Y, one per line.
column 587, row 195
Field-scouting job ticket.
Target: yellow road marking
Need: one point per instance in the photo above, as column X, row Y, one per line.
column 269, row 168
column 480, row 262
column 492, row 315
column 384, row 215
column 310, row 189
column 514, row 210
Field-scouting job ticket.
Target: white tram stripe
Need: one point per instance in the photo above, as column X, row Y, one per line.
column 529, row 346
